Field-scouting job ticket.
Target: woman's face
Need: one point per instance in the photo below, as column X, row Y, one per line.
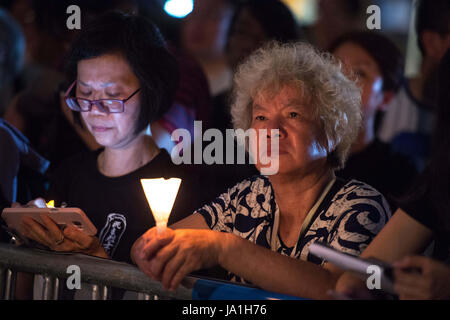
column 204, row 31
column 356, row 60
column 299, row 133
column 246, row 35
column 109, row 77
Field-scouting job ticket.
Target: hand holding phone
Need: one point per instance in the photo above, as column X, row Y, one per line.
column 60, row 229
column 63, row 217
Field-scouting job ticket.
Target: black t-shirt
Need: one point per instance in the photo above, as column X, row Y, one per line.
column 377, row 165
column 423, row 211
column 117, row 206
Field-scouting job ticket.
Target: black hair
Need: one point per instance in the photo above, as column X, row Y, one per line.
column 139, row 41
column 385, row 53
column 12, row 48
column 274, row 17
column 432, row 15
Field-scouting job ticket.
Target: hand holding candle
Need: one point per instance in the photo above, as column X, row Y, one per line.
column 161, row 194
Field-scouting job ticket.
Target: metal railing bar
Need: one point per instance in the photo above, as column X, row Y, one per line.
column 10, row 284
column 95, row 292
column 56, row 289
column 47, row 288
column 104, row 293
column 103, row 273
column 99, row 292
column 2, row 283
column 93, row 270
column 143, row 296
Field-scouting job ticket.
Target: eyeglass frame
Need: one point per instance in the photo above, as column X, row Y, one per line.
column 96, row 102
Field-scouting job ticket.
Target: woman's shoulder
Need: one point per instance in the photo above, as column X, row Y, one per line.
column 353, row 216
column 253, row 184
column 357, row 193
column 250, row 187
column 361, row 188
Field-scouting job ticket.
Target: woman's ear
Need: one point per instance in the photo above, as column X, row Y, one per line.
column 387, row 98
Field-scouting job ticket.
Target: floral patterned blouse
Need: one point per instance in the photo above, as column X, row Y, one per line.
column 349, row 216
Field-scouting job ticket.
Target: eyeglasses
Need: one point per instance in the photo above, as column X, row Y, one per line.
column 104, row 105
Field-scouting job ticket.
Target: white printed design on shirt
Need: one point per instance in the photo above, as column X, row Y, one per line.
column 111, row 233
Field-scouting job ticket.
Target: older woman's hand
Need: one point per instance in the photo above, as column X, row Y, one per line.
column 170, row 256
column 69, row 239
column 433, row 282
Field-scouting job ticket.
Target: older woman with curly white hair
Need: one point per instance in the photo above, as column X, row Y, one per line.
column 260, row 230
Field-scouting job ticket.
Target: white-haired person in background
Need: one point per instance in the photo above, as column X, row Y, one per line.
column 260, row 230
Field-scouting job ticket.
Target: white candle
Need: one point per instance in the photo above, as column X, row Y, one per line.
column 161, row 194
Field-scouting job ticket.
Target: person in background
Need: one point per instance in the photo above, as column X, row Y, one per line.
column 408, row 121
column 192, row 100
column 423, row 217
column 21, row 167
column 204, row 35
column 334, row 19
column 12, row 49
column 260, row 229
column 254, row 23
column 376, row 65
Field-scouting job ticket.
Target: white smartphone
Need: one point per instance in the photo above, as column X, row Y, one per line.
column 63, row 217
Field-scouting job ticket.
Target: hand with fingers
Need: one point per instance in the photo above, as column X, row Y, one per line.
column 170, row 256
column 37, row 203
column 50, row 235
column 70, row 239
column 431, row 281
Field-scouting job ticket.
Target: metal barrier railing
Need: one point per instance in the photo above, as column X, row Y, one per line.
column 103, row 274
column 100, row 273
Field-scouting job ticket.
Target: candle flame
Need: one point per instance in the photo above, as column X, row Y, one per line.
column 50, row 204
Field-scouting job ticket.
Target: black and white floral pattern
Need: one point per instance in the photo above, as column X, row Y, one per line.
column 349, row 217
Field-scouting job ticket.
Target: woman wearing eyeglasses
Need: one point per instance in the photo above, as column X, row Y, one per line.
column 124, row 79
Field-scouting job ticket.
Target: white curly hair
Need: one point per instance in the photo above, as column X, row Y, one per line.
column 334, row 99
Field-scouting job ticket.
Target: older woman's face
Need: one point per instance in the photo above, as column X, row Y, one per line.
column 358, row 61
column 299, row 132
column 109, row 77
